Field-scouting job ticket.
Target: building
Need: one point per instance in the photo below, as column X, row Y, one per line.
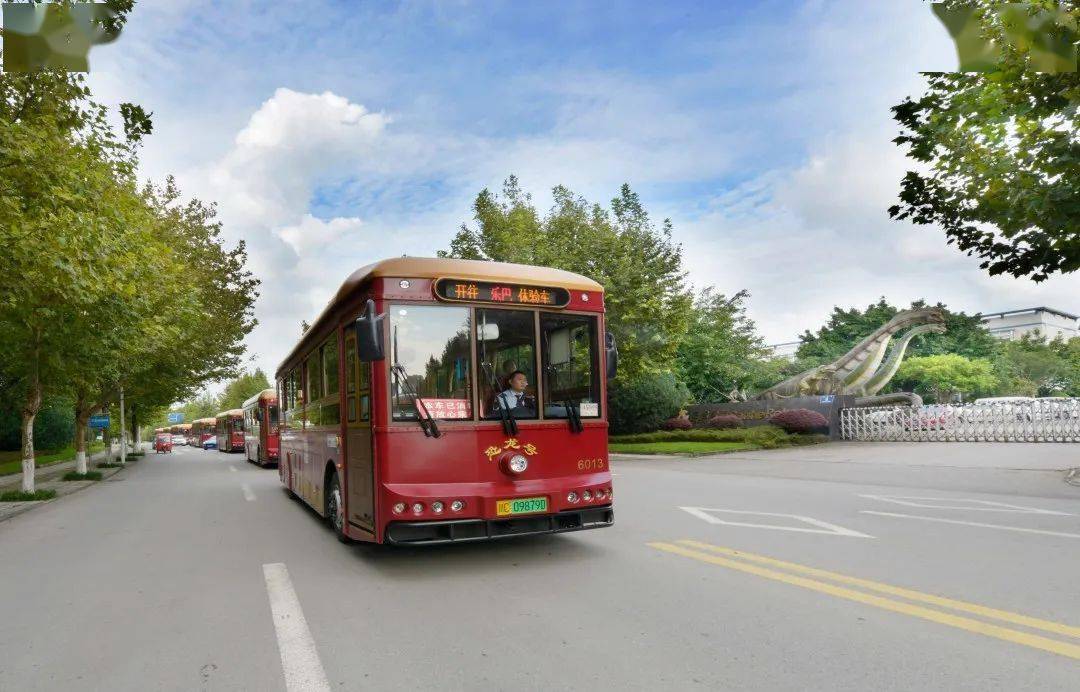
column 784, row 350
column 1012, row 324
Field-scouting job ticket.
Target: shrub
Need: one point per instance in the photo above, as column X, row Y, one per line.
column 22, row 496
column 677, row 423
column 643, row 403
column 88, row 476
column 799, row 420
column 724, row 421
column 109, row 465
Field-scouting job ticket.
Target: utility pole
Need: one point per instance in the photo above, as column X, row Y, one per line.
column 123, row 430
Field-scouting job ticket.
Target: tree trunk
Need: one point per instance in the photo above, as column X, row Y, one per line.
column 29, row 412
column 81, row 418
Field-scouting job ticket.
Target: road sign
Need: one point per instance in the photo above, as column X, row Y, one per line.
column 176, row 417
column 101, row 421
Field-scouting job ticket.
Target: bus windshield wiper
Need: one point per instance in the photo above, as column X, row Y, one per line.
column 509, row 423
column 573, row 417
column 427, row 423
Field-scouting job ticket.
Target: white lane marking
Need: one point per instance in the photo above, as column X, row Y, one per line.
column 953, row 503
column 248, row 494
column 1003, row 527
column 822, row 526
column 299, row 658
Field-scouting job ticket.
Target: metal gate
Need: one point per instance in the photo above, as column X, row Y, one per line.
column 1039, row 420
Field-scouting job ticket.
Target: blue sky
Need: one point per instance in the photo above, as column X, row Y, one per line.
column 335, row 133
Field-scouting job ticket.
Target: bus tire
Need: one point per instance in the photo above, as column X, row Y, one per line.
column 335, row 508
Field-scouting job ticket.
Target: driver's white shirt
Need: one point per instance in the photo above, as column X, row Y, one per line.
column 510, row 398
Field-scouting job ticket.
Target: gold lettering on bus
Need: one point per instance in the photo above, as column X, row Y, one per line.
column 511, row 443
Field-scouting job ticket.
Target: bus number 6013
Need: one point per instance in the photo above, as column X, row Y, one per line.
column 590, row 464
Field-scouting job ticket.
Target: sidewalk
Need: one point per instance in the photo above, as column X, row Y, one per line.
column 50, row 478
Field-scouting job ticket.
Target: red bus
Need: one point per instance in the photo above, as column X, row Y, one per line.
column 261, row 428
column 440, row 400
column 229, row 428
column 202, row 429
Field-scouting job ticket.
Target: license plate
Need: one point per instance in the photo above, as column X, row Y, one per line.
column 522, row 505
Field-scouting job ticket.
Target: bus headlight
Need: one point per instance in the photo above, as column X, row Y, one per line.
column 399, row 508
column 514, row 463
column 457, row 506
column 437, row 507
column 571, row 496
column 417, row 508
column 586, row 496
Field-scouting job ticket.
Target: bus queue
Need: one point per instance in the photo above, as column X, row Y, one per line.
column 440, row 401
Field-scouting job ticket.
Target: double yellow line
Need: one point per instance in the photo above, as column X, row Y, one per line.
column 769, row 568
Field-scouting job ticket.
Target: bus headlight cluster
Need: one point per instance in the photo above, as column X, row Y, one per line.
column 589, row 495
column 436, row 507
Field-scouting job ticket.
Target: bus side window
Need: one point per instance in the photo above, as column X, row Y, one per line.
column 312, row 382
column 331, row 409
column 350, row 378
column 364, row 390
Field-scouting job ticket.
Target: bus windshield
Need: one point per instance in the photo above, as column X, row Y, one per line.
column 569, row 351
column 433, row 345
column 506, row 346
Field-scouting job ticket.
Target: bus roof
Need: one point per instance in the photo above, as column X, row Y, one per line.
column 442, row 267
column 264, row 395
column 230, row 412
column 204, row 420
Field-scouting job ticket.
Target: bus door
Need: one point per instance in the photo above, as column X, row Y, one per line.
column 360, row 471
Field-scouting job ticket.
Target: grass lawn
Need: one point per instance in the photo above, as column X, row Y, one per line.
column 678, row 447
column 11, row 462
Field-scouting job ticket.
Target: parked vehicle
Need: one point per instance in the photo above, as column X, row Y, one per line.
column 230, row 430
column 261, row 428
column 179, row 440
column 163, row 443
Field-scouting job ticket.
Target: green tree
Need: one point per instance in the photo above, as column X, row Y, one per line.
column 638, row 263
column 721, row 351
column 965, row 335
column 998, row 154
column 946, row 375
column 1035, row 366
column 242, row 388
column 66, row 204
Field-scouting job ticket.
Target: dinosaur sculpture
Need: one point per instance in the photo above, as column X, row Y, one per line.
column 871, row 385
column 858, row 366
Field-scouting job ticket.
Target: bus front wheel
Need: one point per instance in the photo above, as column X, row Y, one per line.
column 335, row 509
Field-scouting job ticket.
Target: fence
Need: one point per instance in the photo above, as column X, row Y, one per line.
column 1046, row 420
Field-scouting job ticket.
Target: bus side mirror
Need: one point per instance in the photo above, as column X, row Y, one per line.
column 369, row 335
column 611, row 352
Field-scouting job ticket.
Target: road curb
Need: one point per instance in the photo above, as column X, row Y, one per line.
column 1072, row 477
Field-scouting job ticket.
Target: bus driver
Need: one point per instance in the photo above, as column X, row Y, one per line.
column 514, row 397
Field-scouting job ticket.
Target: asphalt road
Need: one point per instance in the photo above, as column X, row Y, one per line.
column 158, row 579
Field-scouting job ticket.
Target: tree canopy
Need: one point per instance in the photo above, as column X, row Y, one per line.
column 946, row 375
column 998, row 151
column 239, row 390
column 104, row 285
column 637, row 262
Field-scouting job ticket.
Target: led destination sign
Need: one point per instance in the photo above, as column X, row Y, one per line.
column 460, row 290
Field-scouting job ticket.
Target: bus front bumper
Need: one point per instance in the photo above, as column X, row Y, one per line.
column 465, row 530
